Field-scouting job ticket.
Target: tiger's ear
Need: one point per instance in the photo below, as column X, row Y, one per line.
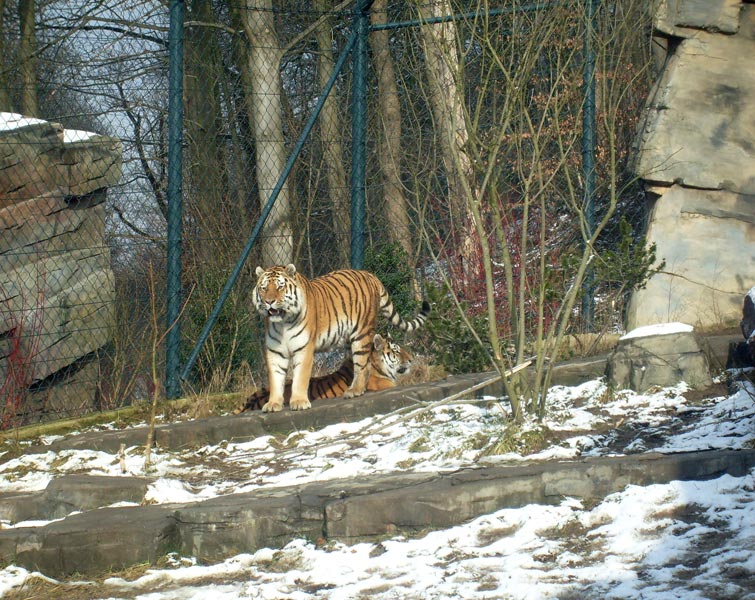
column 259, row 271
column 378, row 342
column 290, row 270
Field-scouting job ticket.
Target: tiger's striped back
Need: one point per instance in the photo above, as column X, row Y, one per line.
column 388, row 360
column 349, row 299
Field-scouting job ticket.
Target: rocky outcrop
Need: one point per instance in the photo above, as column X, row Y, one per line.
column 56, row 285
column 697, row 156
column 658, row 357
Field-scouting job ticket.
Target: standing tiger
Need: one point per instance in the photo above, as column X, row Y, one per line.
column 388, row 360
column 303, row 316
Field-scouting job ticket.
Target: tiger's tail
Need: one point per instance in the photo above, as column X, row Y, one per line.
column 334, row 384
column 254, row 402
column 389, row 311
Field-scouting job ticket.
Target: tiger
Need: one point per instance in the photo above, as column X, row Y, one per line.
column 388, row 360
column 303, row 316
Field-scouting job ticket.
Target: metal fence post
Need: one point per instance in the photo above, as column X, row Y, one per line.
column 358, row 135
column 226, row 291
column 588, row 154
column 175, row 202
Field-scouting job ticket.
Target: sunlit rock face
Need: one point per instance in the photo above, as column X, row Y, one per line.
column 696, row 154
column 57, row 288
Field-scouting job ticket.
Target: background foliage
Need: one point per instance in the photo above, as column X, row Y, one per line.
column 253, row 71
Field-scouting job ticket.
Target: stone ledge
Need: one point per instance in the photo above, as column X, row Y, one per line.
column 70, row 493
column 247, row 426
column 682, row 17
column 349, row 510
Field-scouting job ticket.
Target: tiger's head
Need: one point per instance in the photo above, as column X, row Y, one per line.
column 276, row 295
column 388, row 358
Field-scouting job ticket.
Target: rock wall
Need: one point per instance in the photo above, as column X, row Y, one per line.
column 696, row 154
column 56, row 285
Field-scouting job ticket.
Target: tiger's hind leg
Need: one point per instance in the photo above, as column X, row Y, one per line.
column 360, row 355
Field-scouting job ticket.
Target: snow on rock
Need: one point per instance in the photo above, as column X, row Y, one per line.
column 658, row 329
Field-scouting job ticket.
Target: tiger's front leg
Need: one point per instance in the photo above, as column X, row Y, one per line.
column 302, row 361
column 277, row 368
column 360, row 355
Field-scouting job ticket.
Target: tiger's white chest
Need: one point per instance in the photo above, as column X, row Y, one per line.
column 285, row 339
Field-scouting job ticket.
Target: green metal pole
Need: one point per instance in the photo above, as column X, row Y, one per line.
column 175, row 201
column 588, row 155
column 204, row 334
column 358, row 134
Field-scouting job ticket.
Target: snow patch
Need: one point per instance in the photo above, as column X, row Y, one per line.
column 658, row 329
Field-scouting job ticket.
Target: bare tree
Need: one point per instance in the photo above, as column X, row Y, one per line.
column 525, row 197
column 389, row 149
column 445, row 95
column 5, row 100
column 330, row 137
column 27, row 58
column 203, row 73
column 262, row 76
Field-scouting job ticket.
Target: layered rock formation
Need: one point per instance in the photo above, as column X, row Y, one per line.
column 56, row 285
column 697, row 157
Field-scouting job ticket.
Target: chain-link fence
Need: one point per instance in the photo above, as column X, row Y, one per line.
column 84, row 218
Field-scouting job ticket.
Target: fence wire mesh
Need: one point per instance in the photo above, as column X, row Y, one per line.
column 83, row 169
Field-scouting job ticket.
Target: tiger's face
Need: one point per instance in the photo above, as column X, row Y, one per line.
column 276, row 294
column 393, row 359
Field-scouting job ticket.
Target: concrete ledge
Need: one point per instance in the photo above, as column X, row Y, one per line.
column 92, row 542
column 247, row 426
column 348, row 510
column 368, row 508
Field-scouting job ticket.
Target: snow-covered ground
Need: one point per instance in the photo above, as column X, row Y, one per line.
column 689, row 540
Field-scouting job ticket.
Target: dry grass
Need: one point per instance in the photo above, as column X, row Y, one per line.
column 73, row 588
column 422, row 371
column 521, row 440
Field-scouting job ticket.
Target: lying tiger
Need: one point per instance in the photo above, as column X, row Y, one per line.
column 388, row 360
column 303, row 316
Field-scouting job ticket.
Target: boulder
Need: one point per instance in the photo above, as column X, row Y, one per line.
column 694, row 231
column 658, row 355
column 681, row 17
column 700, row 126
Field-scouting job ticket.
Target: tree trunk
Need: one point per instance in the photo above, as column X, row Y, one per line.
column 27, row 60
column 447, row 102
column 331, row 126
column 202, row 70
column 265, row 110
column 6, row 105
column 389, row 149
